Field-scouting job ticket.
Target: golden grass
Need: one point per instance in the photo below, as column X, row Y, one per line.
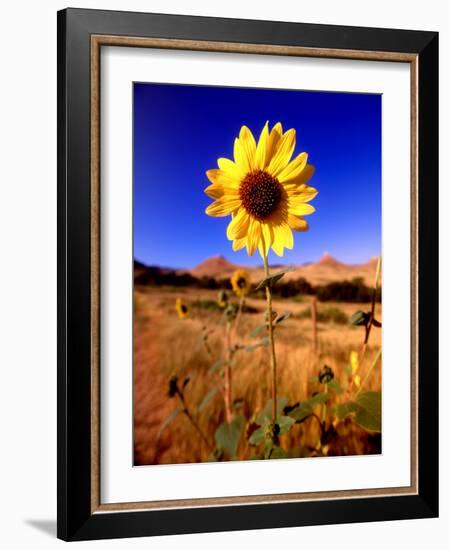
column 165, row 345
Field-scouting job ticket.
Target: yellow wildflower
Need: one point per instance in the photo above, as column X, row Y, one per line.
column 182, row 308
column 241, row 282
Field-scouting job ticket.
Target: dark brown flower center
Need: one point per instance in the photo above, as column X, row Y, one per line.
column 260, row 194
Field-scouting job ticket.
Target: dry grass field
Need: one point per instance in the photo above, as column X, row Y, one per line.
column 165, row 345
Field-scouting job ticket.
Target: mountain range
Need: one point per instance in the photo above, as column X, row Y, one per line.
column 326, row 270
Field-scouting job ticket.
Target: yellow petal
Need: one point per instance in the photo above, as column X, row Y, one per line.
column 245, row 149
column 267, row 145
column 297, row 206
column 282, row 238
column 239, row 243
column 222, row 178
column 297, row 224
column 266, row 239
column 232, row 170
column 283, row 153
column 223, row 206
column 293, row 169
column 305, row 175
column 253, row 237
column 273, row 143
column 260, row 158
column 215, row 191
column 237, row 228
column 303, row 193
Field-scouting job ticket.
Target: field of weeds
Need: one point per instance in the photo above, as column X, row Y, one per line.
column 328, row 383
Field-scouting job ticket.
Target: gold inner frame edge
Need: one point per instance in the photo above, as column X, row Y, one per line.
column 97, row 41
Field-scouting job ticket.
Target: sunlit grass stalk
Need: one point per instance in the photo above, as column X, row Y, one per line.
column 314, row 322
column 228, row 397
column 372, row 366
column 273, row 358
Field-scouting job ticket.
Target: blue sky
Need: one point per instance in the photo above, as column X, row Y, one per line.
column 180, row 132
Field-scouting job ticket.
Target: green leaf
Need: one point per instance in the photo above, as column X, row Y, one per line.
column 335, row 386
column 262, row 343
column 257, row 330
column 257, row 436
column 283, row 317
column 318, row 399
column 369, row 413
column 272, row 280
column 217, row 366
column 360, row 318
column 301, row 412
column 306, row 408
column 366, row 408
column 204, row 402
column 344, row 409
column 266, row 414
column 227, row 435
column 168, row 420
column 285, row 423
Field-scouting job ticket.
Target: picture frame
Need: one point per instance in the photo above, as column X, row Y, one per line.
column 81, row 36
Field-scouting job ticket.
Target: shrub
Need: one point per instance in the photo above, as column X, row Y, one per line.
column 326, row 315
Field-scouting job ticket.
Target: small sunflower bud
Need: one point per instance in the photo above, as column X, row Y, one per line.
column 326, row 375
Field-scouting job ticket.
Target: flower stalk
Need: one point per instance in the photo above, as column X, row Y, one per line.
column 175, row 390
column 228, row 397
column 273, row 358
column 372, row 311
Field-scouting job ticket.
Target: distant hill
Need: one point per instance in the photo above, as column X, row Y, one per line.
column 215, row 266
column 326, row 270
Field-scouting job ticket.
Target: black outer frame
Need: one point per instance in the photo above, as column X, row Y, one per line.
column 75, row 520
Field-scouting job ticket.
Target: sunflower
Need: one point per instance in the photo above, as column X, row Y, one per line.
column 241, row 283
column 182, row 309
column 263, row 190
column 222, row 299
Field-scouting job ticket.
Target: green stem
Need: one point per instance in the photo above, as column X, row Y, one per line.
column 192, row 420
column 372, row 311
column 273, row 359
column 227, row 377
column 324, row 407
column 238, row 316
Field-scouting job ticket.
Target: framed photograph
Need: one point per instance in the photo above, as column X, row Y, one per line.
column 247, row 255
